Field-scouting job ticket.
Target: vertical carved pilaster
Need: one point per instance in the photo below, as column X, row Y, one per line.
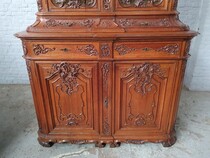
column 106, row 67
column 28, row 64
column 39, row 3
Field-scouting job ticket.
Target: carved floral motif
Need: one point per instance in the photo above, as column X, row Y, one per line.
column 139, row 23
column 40, row 49
column 88, row 49
column 122, row 49
column 140, row 3
column 74, row 3
column 105, row 50
column 170, row 49
column 107, row 4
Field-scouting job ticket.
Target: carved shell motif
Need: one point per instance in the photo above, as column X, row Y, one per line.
column 74, row 3
column 140, row 3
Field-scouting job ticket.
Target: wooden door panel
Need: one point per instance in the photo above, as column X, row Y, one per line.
column 71, row 105
column 142, row 104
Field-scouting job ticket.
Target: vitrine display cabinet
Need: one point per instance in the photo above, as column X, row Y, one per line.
column 106, row 71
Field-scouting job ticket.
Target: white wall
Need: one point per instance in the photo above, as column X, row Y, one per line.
column 16, row 15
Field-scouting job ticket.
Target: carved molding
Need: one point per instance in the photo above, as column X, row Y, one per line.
column 140, row 3
column 107, row 4
column 142, row 75
column 74, row 4
column 40, row 49
column 105, row 50
column 88, row 49
column 170, row 49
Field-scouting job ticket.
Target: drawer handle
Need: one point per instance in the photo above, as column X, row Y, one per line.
column 65, row 50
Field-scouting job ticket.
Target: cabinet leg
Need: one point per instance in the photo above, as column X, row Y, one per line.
column 115, row 144
column 100, row 145
column 45, row 143
column 171, row 141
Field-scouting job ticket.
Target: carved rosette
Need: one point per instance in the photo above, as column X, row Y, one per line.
column 74, row 4
column 40, row 49
column 143, row 76
column 88, row 49
column 140, row 3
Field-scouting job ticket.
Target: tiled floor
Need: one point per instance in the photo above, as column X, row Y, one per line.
column 18, row 131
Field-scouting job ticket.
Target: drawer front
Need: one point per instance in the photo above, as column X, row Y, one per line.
column 62, row 50
column 135, row 50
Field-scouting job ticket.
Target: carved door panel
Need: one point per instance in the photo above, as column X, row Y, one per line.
column 68, row 96
column 143, row 96
column 74, row 5
column 142, row 5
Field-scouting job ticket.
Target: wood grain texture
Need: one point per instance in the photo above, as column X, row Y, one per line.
column 106, row 72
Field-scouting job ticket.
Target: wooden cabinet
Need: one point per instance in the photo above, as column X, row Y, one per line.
column 106, row 72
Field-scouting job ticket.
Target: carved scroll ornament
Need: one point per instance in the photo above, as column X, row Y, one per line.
column 74, row 3
column 140, row 3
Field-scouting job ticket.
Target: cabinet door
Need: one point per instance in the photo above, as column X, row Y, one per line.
column 71, row 108
column 143, row 99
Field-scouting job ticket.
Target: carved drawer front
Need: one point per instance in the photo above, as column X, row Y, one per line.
column 134, row 50
column 62, row 50
column 143, row 98
column 142, row 5
column 70, row 97
column 74, row 5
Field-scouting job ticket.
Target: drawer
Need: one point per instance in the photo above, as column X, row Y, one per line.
column 135, row 50
column 62, row 50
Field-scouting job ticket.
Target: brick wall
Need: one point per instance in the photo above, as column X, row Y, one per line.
column 16, row 15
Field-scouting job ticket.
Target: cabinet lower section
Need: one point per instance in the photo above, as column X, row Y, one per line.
column 105, row 102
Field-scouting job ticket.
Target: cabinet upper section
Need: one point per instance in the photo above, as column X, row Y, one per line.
column 115, row 6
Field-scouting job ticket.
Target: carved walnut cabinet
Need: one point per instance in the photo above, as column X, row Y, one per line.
column 106, row 71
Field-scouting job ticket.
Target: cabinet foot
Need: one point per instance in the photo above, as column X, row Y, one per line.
column 115, row 144
column 171, row 141
column 100, row 145
column 45, row 143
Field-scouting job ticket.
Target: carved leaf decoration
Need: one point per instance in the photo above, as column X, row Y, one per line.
column 74, row 4
column 143, row 74
column 40, row 49
column 140, row 3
